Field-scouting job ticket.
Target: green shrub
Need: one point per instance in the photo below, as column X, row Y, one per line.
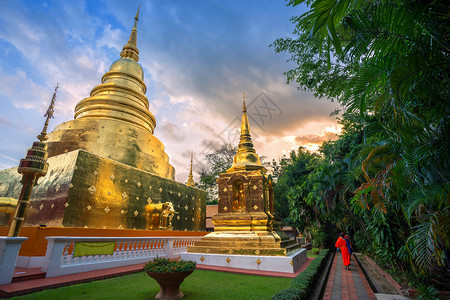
column 165, row 265
column 315, row 251
column 288, row 294
column 304, row 282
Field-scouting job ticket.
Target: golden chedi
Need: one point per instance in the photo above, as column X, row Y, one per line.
column 243, row 235
column 114, row 122
column 106, row 169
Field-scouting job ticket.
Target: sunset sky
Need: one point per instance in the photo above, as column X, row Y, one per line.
column 198, row 58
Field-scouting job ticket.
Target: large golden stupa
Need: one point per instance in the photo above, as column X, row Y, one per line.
column 114, row 122
column 106, row 168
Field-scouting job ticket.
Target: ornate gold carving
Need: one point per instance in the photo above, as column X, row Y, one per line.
column 202, row 258
column 122, row 211
column 186, row 207
column 258, row 262
column 149, row 200
column 225, row 208
column 138, row 184
column 291, row 263
column 89, row 207
column 178, row 217
column 135, row 213
column 225, row 190
column 66, row 205
column 255, row 187
column 107, row 210
column 92, row 189
column 179, row 194
column 257, row 252
column 137, row 198
column 160, row 190
column 126, row 180
column 120, row 227
column 207, row 250
column 230, row 251
column 111, row 177
column 95, row 173
column 124, row 196
column 228, row 260
column 255, row 207
column 41, row 206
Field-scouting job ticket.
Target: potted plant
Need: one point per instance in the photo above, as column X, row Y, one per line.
column 169, row 274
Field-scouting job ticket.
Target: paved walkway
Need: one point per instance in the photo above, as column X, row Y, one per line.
column 344, row 284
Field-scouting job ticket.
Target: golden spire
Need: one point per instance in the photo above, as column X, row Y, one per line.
column 130, row 50
column 49, row 114
column 246, row 158
column 190, row 181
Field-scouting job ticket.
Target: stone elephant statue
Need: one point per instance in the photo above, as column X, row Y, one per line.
column 159, row 216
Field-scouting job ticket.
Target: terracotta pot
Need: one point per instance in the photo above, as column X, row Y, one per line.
column 169, row 284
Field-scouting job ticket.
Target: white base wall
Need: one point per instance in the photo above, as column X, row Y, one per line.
column 287, row 264
column 30, row 261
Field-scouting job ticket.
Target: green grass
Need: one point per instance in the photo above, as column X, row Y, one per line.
column 199, row 285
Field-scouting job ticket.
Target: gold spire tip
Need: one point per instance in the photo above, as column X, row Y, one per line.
column 244, row 108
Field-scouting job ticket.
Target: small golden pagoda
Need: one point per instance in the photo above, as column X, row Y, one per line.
column 243, row 235
column 190, row 181
column 106, row 168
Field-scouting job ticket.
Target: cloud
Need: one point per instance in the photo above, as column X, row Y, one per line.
column 198, row 58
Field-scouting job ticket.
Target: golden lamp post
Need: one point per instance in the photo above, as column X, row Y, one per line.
column 33, row 166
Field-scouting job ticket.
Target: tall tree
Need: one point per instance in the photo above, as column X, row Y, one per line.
column 217, row 162
column 387, row 63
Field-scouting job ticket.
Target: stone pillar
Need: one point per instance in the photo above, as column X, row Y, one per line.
column 9, row 249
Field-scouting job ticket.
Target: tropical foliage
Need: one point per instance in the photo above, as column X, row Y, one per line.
column 386, row 179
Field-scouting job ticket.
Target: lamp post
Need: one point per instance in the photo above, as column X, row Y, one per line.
column 33, row 166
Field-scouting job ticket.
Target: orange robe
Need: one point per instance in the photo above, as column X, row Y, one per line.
column 341, row 243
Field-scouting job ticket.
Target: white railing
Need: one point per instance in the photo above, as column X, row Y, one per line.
column 60, row 260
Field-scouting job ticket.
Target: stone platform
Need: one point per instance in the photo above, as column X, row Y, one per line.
column 289, row 263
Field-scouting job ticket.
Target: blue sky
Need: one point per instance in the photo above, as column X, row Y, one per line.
column 198, row 58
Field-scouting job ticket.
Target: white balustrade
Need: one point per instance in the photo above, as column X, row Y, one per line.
column 60, row 260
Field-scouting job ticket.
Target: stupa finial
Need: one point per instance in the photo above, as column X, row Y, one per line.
column 190, row 181
column 49, row 114
column 246, row 157
column 130, row 50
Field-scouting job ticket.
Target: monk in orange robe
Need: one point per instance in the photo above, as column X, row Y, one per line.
column 341, row 243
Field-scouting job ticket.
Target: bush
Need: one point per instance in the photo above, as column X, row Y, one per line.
column 165, row 265
column 315, row 251
column 303, row 284
column 288, row 294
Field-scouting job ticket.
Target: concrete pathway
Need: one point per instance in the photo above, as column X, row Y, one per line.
column 344, row 284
